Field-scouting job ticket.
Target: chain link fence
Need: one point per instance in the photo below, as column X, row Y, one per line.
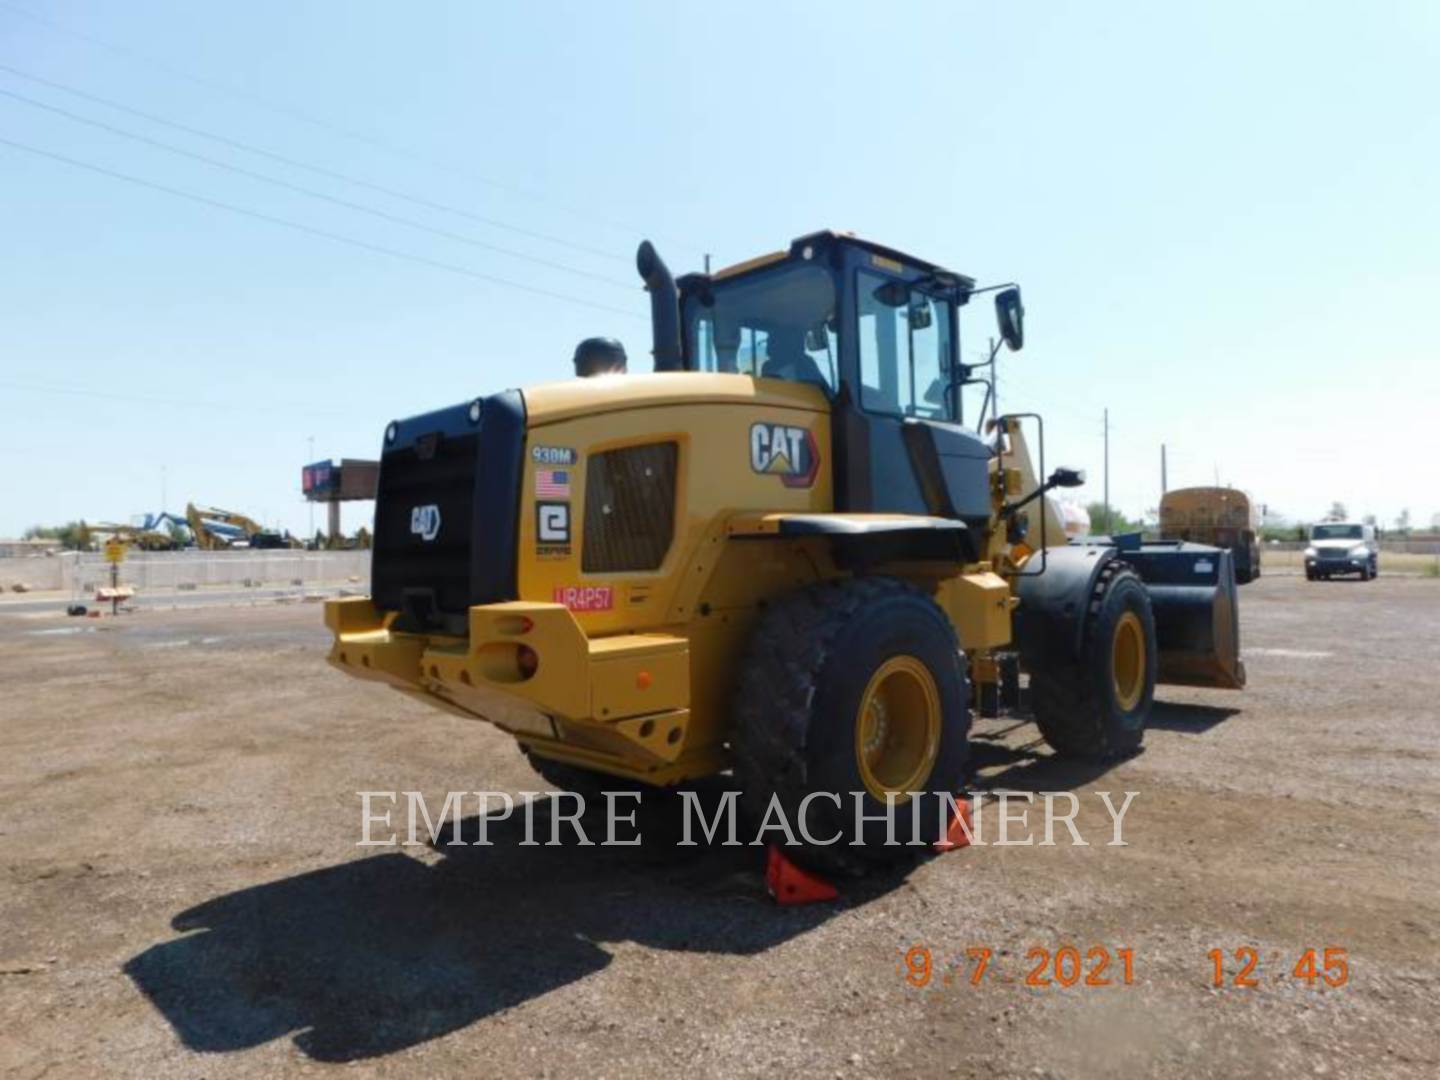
column 158, row 573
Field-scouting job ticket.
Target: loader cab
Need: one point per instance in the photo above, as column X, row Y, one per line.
column 878, row 333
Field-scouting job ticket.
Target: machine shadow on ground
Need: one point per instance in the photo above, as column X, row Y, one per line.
column 377, row 954
column 1031, row 767
column 1189, row 719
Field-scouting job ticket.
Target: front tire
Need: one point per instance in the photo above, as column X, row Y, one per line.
column 851, row 690
column 1097, row 707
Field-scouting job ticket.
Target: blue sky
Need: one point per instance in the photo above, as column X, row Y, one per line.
column 1224, row 217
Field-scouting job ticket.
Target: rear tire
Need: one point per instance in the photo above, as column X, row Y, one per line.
column 853, row 686
column 1097, row 708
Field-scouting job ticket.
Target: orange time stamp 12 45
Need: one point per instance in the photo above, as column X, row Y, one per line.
column 1065, row 966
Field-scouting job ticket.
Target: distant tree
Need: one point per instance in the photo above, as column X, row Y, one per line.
column 1369, row 519
column 1402, row 523
column 1338, row 511
column 1435, row 520
column 72, row 536
column 1117, row 523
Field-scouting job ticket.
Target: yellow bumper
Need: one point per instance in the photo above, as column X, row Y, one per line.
column 617, row 704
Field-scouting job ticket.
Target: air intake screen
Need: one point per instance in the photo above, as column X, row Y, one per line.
column 629, row 508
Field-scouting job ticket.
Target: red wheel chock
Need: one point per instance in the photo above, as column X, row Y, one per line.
column 788, row 884
column 957, row 835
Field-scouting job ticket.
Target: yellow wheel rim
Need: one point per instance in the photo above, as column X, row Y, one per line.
column 1127, row 661
column 897, row 728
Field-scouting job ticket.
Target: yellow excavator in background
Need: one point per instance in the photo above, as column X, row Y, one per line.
column 216, row 529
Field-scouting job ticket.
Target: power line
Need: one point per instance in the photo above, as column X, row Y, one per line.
column 311, row 192
column 394, row 149
column 319, row 170
column 365, row 245
column 171, row 402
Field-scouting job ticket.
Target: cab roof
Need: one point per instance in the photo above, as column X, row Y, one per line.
column 832, row 236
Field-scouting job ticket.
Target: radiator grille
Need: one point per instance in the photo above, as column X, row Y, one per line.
column 447, row 513
column 629, row 508
column 402, row 560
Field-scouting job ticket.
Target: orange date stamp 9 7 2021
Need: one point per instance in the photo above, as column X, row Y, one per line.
column 1102, row 965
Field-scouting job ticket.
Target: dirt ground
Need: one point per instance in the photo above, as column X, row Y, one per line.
column 182, row 893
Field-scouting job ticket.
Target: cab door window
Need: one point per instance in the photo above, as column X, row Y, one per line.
column 904, row 346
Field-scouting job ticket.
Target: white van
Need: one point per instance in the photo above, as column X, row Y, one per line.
column 1342, row 547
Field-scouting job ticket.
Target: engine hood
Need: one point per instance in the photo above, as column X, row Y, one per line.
column 549, row 402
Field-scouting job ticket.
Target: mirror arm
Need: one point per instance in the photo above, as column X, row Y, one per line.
column 1010, row 508
column 992, row 288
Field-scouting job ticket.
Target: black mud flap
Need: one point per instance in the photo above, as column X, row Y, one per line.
column 1050, row 621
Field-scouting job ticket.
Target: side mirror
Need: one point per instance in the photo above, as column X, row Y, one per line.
column 817, row 338
column 1011, row 317
column 919, row 313
column 1066, row 478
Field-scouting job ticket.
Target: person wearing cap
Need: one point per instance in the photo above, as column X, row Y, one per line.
column 599, row 356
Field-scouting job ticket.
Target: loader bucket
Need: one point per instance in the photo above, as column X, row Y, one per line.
column 1197, row 621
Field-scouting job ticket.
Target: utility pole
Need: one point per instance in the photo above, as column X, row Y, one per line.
column 162, row 489
column 707, row 262
column 1164, row 486
column 1107, row 472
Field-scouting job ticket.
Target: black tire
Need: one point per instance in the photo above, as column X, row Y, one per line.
column 1365, row 572
column 1078, row 707
column 811, row 661
column 1245, row 571
column 1375, row 567
column 1309, row 575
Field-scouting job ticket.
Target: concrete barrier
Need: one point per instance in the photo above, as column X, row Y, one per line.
column 183, row 571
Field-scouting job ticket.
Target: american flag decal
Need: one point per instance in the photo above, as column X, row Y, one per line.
column 552, row 483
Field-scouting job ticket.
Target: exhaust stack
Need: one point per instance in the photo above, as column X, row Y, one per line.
column 664, row 307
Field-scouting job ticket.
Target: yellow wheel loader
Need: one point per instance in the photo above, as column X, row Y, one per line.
column 783, row 552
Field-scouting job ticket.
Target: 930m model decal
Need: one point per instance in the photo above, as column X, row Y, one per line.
column 553, row 455
column 784, row 451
